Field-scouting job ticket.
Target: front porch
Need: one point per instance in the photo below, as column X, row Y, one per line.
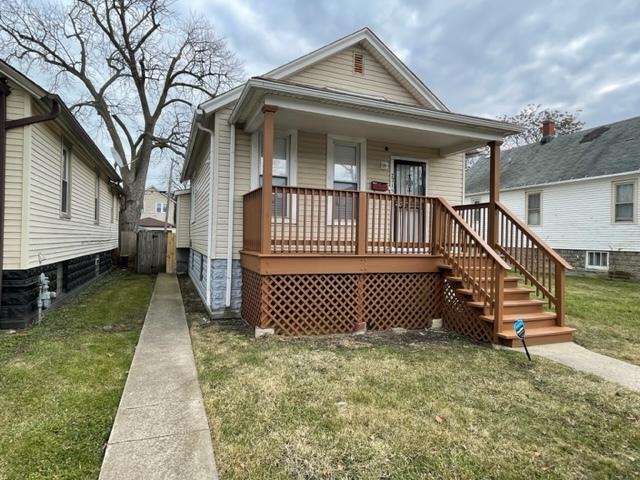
column 319, row 260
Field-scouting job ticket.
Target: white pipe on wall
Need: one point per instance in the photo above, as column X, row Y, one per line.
column 232, row 167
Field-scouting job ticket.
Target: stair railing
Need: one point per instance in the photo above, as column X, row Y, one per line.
column 470, row 257
column 540, row 265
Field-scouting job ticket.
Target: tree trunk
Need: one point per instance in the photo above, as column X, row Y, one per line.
column 133, row 184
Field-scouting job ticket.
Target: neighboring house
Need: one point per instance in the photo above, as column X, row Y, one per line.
column 348, row 226
column 61, row 202
column 580, row 193
column 154, row 211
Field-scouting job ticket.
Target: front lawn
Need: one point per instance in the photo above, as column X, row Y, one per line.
column 606, row 314
column 412, row 405
column 61, row 381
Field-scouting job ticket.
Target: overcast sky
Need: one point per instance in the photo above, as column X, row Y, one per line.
column 480, row 57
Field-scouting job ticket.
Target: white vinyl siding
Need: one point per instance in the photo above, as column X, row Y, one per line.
column 337, row 72
column 200, row 185
column 183, row 220
column 51, row 238
column 17, row 150
column 579, row 215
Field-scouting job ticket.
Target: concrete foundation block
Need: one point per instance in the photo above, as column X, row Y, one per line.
column 263, row 332
column 360, row 328
column 436, row 324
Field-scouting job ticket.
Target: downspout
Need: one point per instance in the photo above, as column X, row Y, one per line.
column 232, row 167
column 5, row 126
column 211, row 212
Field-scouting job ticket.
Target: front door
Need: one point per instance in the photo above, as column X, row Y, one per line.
column 410, row 178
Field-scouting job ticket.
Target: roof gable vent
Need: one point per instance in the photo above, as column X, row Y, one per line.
column 358, row 62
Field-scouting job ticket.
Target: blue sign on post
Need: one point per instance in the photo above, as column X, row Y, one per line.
column 518, row 326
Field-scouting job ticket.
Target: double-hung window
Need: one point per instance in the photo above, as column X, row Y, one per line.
column 346, row 175
column 624, row 207
column 281, row 172
column 65, row 184
column 96, row 200
column 534, row 208
column 161, row 207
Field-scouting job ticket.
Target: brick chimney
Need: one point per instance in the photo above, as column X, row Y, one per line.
column 548, row 130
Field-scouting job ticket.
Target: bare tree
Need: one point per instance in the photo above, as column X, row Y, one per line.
column 137, row 64
column 531, row 118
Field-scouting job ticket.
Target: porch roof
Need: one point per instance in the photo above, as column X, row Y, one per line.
column 335, row 111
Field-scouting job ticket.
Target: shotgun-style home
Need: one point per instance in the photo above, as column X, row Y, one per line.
column 578, row 192
column 322, row 197
column 61, row 200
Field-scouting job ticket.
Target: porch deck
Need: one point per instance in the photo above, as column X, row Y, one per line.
column 336, row 261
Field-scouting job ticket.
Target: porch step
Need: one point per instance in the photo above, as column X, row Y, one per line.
column 531, row 320
column 537, row 336
column 515, row 307
column 510, row 293
column 509, row 282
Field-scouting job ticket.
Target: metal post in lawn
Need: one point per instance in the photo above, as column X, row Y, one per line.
column 518, row 326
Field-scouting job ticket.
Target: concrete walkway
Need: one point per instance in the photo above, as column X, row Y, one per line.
column 580, row 358
column 161, row 430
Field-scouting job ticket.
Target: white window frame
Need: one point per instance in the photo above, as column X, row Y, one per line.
column 526, row 207
column 634, row 213
column 292, row 179
column 362, row 181
column 293, row 156
column 96, row 200
column 65, row 149
column 588, row 266
column 161, row 204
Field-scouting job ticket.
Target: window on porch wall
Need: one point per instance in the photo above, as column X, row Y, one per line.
column 346, row 172
column 280, row 173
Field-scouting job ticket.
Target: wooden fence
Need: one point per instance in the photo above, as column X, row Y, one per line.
column 149, row 251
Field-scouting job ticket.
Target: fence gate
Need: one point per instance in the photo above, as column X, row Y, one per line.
column 152, row 252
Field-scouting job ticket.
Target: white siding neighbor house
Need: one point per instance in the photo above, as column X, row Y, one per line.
column 580, row 193
column 62, row 201
column 320, row 194
column 154, row 211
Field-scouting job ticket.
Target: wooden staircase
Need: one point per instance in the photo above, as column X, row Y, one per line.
column 542, row 326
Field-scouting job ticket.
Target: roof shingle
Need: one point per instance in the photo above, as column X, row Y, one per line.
column 604, row 150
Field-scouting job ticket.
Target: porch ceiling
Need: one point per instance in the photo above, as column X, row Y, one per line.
column 341, row 113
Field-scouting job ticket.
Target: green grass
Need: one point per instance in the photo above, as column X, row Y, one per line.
column 61, row 381
column 606, row 314
column 405, row 406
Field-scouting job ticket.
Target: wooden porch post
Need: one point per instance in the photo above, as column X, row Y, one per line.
column 267, row 180
column 361, row 239
column 494, row 192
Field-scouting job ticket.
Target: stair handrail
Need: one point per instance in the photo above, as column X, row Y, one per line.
column 533, row 236
column 462, row 248
column 556, row 295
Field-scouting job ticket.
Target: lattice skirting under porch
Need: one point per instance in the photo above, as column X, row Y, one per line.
column 459, row 317
column 315, row 304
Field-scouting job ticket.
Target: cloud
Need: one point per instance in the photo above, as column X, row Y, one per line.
column 482, row 58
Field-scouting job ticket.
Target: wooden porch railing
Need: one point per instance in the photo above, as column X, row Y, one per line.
column 251, row 221
column 531, row 257
column 339, row 222
column 480, row 267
